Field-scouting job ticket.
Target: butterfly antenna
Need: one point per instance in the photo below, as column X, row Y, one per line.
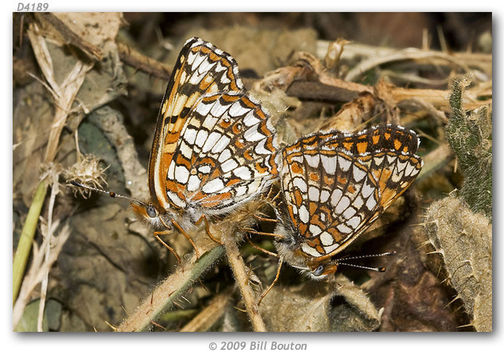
column 109, row 193
column 388, row 253
column 377, row 269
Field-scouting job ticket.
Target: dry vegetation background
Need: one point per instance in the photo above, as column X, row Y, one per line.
column 87, row 88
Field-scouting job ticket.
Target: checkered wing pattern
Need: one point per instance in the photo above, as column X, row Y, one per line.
column 337, row 184
column 214, row 146
column 225, row 154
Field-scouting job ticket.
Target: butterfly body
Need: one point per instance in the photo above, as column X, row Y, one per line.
column 335, row 185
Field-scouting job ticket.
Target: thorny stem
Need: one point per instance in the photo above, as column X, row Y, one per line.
column 238, row 266
column 172, row 288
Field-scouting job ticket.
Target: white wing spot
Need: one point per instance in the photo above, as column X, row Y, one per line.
column 371, row 203
column 176, row 199
column 201, row 137
column 229, row 165
column 204, row 169
column 179, row 105
column 261, row 149
column 313, row 193
column 354, row 222
column 315, row 230
column 378, row 160
column 171, row 171
column 358, row 173
column 185, row 150
column 401, row 165
column 331, row 248
column 193, row 183
column 348, row 213
column 396, row 176
column 324, row 195
column 309, row 250
column 312, row 160
column 253, row 135
column 329, row 164
column 241, row 190
column 366, row 190
column 326, row 239
column 343, row 163
column 213, row 186
column 205, row 66
column 225, row 155
column 195, row 79
column 336, row 196
column 304, row 215
column 196, row 61
column 300, row 184
column 409, row 169
column 250, row 120
column 218, row 109
column 181, row 174
column 225, row 79
column 190, row 136
column 342, row 205
column 237, row 109
column 209, row 122
column 211, row 141
column 221, row 144
column 243, row 172
column 342, row 228
column 358, row 202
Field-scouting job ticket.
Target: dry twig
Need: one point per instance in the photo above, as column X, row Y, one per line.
column 210, row 314
column 242, row 280
column 143, row 63
column 71, row 37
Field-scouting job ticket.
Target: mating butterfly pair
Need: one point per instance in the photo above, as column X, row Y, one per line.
column 215, row 148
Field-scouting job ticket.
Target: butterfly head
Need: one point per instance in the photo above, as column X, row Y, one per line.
column 320, row 270
column 150, row 214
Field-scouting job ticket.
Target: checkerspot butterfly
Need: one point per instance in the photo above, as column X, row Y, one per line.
column 334, row 185
column 214, row 146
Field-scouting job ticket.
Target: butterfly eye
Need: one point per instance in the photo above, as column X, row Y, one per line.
column 151, row 211
column 319, row 270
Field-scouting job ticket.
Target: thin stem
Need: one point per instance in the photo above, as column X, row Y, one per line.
column 26, row 238
column 240, row 273
column 47, row 252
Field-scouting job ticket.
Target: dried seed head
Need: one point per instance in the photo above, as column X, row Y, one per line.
column 87, row 171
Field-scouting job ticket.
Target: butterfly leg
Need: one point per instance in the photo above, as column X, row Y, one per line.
column 183, row 232
column 261, row 249
column 207, row 228
column 158, row 238
column 262, row 218
column 252, row 231
column 280, row 262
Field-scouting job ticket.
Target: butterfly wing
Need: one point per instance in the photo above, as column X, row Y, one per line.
column 337, row 184
column 201, row 69
column 226, row 154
